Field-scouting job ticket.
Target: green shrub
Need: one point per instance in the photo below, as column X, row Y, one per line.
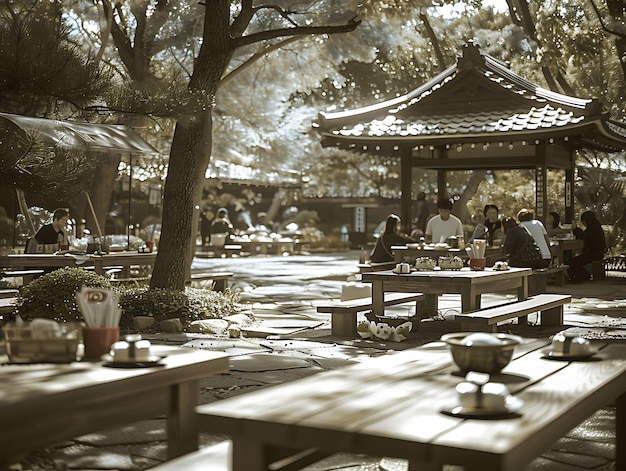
column 189, row 305
column 53, row 295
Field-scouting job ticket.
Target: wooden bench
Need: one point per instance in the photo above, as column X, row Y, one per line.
column 220, row 279
column 485, row 320
column 8, row 293
column 211, row 458
column 130, row 280
column 7, row 306
column 344, row 313
column 14, row 273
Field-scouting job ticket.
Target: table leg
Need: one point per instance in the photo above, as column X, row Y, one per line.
column 428, row 305
column 182, row 422
column 98, row 266
column 249, row 455
column 470, row 301
column 378, row 298
column 620, row 432
column 522, row 290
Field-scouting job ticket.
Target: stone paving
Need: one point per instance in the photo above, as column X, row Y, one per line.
column 283, row 292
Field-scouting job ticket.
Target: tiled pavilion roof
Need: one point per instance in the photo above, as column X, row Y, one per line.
column 477, row 101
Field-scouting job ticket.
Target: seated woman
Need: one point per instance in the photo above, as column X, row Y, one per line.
column 381, row 256
column 520, row 246
column 495, row 232
column 595, row 245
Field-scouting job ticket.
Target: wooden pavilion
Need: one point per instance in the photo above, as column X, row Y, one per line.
column 478, row 114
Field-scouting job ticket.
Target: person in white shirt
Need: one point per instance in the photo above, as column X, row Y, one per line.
column 536, row 228
column 444, row 225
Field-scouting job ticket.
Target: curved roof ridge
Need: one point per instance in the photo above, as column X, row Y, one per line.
column 498, row 67
column 391, row 103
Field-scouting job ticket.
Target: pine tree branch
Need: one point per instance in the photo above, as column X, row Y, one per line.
column 351, row 25
column 255, row 57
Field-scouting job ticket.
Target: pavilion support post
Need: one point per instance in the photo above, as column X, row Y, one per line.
column 406, row 178
column 442, row 181
column 568, row 193
column 541, row 193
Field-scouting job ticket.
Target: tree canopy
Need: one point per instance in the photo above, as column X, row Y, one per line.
column 242, row 80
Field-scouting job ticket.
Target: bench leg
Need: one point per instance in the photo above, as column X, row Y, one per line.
column 553, row 316
column 343, row 324
column 522, row 320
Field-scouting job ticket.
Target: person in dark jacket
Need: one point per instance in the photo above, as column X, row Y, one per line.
column 382, row 255
column 221, row 224
column 515, row 240
column 595, row 245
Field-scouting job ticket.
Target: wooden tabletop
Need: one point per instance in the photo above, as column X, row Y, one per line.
column 125, row 259
column 470, row 284
column 464, row 275
column 402, row 252
column 43, row 404
column 391, row 406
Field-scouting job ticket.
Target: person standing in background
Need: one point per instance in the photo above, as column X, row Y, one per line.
column 205, row 227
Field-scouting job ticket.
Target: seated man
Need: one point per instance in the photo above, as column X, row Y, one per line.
column 444, row 225
column 50, row 237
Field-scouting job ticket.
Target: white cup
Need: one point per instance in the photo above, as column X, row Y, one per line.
column 405, row 268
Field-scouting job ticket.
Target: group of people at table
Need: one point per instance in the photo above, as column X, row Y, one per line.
column 524, row 240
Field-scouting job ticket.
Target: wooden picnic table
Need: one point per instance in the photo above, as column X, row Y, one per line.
column 391, row 406
column 469, row 284
column 42, row 404
column 98, row 262
column 264, row 246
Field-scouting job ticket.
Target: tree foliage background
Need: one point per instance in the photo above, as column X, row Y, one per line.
column 137, row 62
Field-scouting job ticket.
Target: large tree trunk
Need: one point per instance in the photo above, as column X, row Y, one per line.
column 101, row 193
column 173, row 258
column 460, row 207
column 102, row 190
column 189, row 154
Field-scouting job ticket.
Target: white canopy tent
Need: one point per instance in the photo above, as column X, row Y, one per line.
column 104, row 138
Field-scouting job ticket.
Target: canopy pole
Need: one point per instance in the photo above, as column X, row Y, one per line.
column 130, row 187
column 21, row 201
column 93, row 214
